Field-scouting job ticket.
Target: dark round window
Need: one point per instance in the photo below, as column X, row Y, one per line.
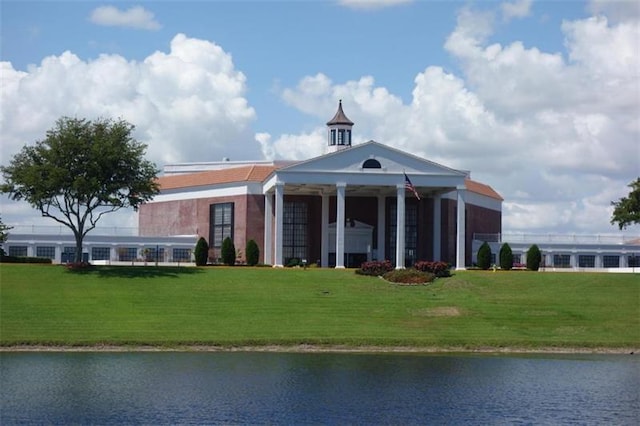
column 371, row 164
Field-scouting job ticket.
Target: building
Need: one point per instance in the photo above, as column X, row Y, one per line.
column 352, row 204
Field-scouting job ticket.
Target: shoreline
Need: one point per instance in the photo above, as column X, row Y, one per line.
column 338, row 349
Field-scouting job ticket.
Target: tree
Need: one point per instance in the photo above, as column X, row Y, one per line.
column 534, row 257
column 506, row 257
column 253, row 253
column 228, row 252
column 82, row 170
column 627, row 209
column 3, row 235
column 484, row 256
column 201, row 252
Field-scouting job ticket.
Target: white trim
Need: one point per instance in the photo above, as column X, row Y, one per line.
column 227, row 190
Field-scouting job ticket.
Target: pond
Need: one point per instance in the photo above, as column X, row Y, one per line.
column 316, row 388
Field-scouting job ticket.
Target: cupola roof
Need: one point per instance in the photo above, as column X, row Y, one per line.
column 340, row 117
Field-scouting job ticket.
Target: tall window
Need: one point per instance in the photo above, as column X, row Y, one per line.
column 611, row 261
column 100, row 253
column 410, row 232
column 294, row 230
column 46, row 251
column 561, row 260
column 341, row 139
column 220, row 223
column 332, row 141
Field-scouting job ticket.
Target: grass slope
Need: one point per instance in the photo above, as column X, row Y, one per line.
column 261, row 306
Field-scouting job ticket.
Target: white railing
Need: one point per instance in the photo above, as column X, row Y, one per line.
column 514, row 237
column 63, row 230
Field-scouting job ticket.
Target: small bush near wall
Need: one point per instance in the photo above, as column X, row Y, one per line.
column 201, row 252
column 375, row 268
column 506, row 257
column 228, row 252
column 534, row 257
column 484, row 256
column 253, row 253
column 24, row 259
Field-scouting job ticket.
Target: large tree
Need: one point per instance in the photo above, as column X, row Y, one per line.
column 627, row 210
column 82, row 170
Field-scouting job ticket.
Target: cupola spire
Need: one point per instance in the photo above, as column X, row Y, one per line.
column 339, row 131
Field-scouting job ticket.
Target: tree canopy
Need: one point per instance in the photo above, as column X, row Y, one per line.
column 82, row 170
column 627, row 210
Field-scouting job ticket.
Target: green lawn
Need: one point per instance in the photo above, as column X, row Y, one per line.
column 44, row 304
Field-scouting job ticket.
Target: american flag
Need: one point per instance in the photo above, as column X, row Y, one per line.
column 408, row 185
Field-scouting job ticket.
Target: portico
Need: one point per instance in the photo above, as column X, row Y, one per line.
column 343, row 175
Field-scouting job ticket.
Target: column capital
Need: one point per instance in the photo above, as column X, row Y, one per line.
column 341, row 184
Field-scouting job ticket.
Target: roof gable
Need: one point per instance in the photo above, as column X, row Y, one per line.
column 391, row 161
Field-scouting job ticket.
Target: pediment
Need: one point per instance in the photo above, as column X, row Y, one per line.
column 391, row 161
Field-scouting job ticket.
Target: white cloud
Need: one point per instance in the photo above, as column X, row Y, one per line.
column 516, row 9
column 555, row 133
column 134, row 17
column 187, row 104
column 616, row 10
column 372, row 4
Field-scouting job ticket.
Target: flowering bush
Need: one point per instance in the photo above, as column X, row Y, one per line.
column 409, row 276
column 439, row 269
column 375, row 268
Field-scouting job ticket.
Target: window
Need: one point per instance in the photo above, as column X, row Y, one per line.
column 348, row 137
column 332, row 140
column 46, row 251
column 220, row 223
column 151, row 254
column 562, row 260
column 610, row 261
column 371, row 163
column 633, row 261
column 127, row 253
column 517, row 259
column 17, row 250
column 181, row 255
column 294, row 230
column 340, row 136
column 100, row 253
column 587, row 261
column 410, row 232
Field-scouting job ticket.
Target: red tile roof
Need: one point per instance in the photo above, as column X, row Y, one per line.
column 482, row 189
column 251, row 173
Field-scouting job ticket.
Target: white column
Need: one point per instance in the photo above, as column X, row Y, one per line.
column 437, row 227
column 340, row 190
column 268, row 228
column 381, row 227
column 277, row 263
column 324, row 238
column 461, row 232
column 400, row 191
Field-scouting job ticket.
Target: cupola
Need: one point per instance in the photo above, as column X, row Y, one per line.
column 339, row 132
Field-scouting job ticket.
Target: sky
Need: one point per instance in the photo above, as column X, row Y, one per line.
column 539, row 99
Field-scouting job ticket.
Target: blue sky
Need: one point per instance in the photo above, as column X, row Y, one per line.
column 538, row 99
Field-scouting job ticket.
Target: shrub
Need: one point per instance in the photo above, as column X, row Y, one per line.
column 79, row 266
column 24, row 259
column 293, row 262
column 534, row 257
column 201, row 252
column 439, row 269
column 484, row 256
column 506, row 257
column 253, row 253
column 409, row 276
column 375, row 268
column 228, row 252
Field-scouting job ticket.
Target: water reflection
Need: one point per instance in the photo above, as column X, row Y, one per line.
column 275, row 388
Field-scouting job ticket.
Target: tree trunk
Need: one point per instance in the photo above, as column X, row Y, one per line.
column 78, row 255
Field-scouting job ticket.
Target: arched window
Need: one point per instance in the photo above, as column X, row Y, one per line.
column 371, row 163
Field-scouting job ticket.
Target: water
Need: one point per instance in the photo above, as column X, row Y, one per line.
column 281, row 388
